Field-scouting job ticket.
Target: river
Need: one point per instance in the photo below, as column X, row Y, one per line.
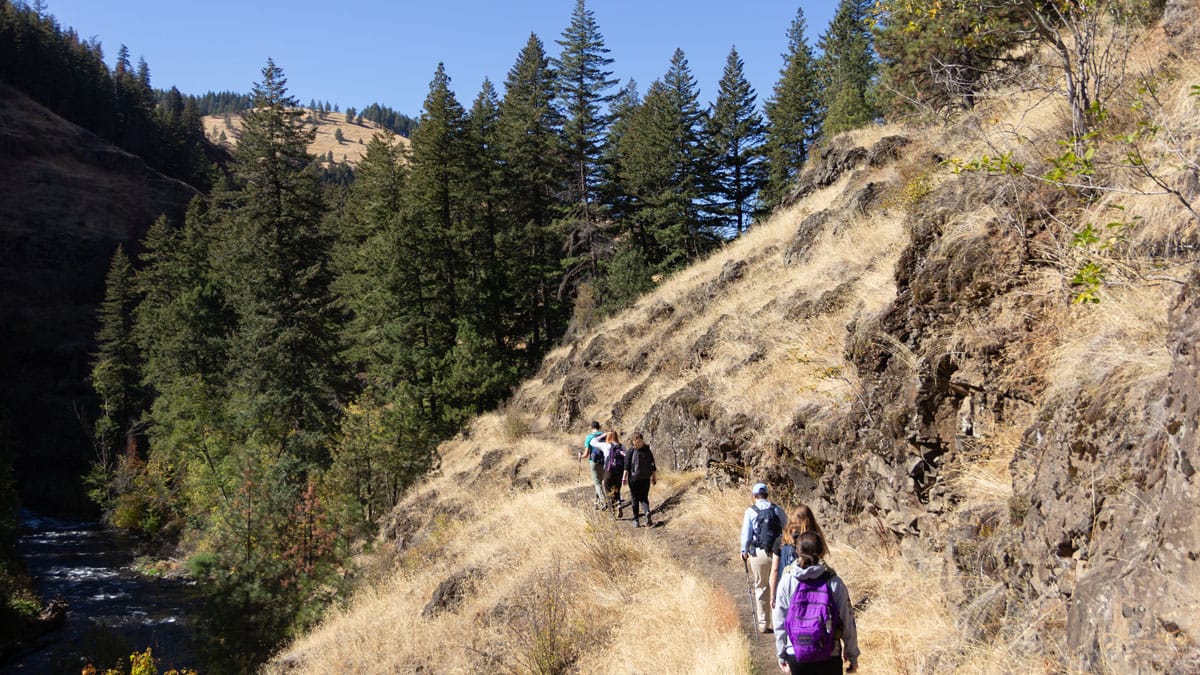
column 113, row 610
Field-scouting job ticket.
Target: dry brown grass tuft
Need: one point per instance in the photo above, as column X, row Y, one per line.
column 1119, row 344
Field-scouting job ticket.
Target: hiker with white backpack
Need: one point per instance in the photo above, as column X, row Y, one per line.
column 762, row 525
column 813, row 615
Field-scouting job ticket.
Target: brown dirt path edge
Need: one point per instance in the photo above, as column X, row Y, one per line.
column 720, row 566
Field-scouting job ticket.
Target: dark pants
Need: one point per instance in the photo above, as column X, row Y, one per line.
column 831, row 667
column 639, row 494
column 612, row 488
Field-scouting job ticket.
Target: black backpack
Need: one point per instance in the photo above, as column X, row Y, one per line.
column 641, row 463
column 765, row 529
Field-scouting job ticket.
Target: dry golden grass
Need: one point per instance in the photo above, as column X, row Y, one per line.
column 350, row 150
column 1119, row 345
column 551, row 582
column 545, row 586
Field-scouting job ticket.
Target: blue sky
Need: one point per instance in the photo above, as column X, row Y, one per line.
column 358, row 52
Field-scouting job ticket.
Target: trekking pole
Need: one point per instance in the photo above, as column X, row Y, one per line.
column 753, row 600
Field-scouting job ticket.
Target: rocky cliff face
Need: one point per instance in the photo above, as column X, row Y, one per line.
column 67, row 200
column 1037, row 459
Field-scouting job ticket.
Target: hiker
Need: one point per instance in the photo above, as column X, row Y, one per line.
column 596, row 463
column 639, row 473
column 614, row 468
column 814, row 619
column 762, row 524
column 799, row 521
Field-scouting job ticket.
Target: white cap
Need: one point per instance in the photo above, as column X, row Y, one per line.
column 759, row 489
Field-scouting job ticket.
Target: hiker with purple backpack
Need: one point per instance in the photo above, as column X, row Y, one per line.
column 614, row 468
column 814, row 619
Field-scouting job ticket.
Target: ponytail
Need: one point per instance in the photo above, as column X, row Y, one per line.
column 809, row 549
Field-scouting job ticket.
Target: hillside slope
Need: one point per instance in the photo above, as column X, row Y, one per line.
column 67, row 200
column 224, row 130
column 1007, row 476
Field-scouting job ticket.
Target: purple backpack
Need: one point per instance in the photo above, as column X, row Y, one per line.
column 810, row 620
column 614, row 464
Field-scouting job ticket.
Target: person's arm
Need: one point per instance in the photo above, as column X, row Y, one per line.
column 745, row 534
column 779, row 607
column 773, row 582
column 841, row 596
column 601, row 445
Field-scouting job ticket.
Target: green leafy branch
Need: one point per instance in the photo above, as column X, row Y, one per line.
column 1090, row 276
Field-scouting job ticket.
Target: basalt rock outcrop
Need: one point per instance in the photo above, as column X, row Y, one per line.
column 1100, row 530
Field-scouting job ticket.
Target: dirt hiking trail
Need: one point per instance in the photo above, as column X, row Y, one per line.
column 720, row 565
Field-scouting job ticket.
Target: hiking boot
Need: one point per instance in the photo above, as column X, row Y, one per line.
column 636, row 523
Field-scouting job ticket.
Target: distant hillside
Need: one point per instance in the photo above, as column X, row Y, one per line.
column 224, row 130
column 984, row 381
column 68, row 199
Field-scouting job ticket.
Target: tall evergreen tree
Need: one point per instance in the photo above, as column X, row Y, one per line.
column 278, row 276
column 531, row 152
column 734, row 138
column 494, row 298
column 659, row 163
column 847, row 67
column 116, row 375
column 583, row 85
column 427, row 278
column 794, row 115
column 682, row 235
column 183, row 321
column 624, row 106
column 364, row 258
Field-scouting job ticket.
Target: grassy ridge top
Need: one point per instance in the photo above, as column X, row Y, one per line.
column 352, row 147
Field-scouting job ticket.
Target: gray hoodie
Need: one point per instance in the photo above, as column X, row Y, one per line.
column 841, row 604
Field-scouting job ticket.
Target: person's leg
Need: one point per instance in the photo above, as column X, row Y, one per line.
column 613, row 496
column 638, row 490
column 598, row 483
column 760, row 568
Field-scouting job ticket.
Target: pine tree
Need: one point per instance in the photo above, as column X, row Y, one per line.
column 278, row 277
column 793, row 115
column 429, row 265
column 847, row 67
column 688, row 237
column 936, row 56
column 530, row 149
column 116, row 375
column 734, row 138
column 583, row 82
column 494, row 299
column 624, row 107
column 659, row 160
column 365, row 259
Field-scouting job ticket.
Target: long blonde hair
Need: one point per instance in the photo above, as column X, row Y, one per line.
column 801, row 520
